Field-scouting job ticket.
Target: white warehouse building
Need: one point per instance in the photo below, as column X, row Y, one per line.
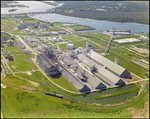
column 115, row 68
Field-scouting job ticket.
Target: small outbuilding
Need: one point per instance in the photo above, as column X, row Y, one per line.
column 10, row 42
column 54, row 33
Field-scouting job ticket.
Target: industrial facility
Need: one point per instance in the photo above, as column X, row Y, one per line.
column 127, row 40
column 87, row 71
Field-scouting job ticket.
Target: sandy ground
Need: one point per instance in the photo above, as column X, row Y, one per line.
column 3, row 86
column 130, row 80
column 141, row 50
column 29, row 73
column 1, row 116
column 23, row 86
column 34, row 83
column 142, row 113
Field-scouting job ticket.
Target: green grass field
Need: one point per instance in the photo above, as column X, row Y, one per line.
column 19, row 103
column 128, row 54
column 77, row 26
column 99, row 35
column 98, row 41
column 20, row 62
column 6, row 47
column 63, row 82
column 83, row 44
column 78, row 44
column 136, row 88
column 72, row 38
column 134, row 68
column 58, row 24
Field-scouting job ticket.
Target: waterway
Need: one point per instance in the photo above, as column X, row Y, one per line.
column 110, row 100
column 99, row 25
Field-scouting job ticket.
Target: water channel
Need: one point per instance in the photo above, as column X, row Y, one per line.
column 110, row 100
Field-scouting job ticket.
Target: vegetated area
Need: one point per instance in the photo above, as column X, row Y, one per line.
column 10, row 4
column 134, row 89
column 130, row 66
column 119, row 11
column 6, row 47
column 72, row 38
column 20, row 62
column 9, row 26
column 78, row 43
column 128, row 55
column 63, row 82
column 100, row 35
column 32, row 104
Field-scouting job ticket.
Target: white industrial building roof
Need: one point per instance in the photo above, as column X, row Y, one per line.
column 106, row 62
column 127, row 40
column 106, row 73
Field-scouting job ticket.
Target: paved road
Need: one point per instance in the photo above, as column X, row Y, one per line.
column 23, row 71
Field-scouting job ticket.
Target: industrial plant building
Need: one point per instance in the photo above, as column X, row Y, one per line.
column 47, row 65
column 10, row 42
column 127, row 40
column 101, row 71
column 81, row 75
column 111, row 66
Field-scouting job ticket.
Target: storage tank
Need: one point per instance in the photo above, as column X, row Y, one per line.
column 76, row 52
column 70, row 46
column 87, row 45
column 117, row 61
column 142, row 37
column 54, row 39
column 146, row 39
column 60, row 39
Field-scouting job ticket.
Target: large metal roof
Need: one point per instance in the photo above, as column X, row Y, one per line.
column 106, row 62
column 45, row 60
column 106, row 73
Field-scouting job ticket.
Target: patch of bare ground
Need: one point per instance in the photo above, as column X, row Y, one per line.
column 130, row 80
column 15, row 28
column 26, row 87
column 3, row 86
column 1, row 116
column 42, row 112
column 142, row 113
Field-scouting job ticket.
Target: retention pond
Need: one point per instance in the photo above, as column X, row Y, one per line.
column 110, row 100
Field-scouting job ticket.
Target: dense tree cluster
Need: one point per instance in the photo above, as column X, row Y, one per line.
column 113, row 10
column 107, row 5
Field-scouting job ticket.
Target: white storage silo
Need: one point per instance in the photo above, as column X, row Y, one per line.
column 146, row 39
column 70, row 46
column 87, row 45
column 54, row 39
column 117, row 61
column 142, row 37
column 76, row 52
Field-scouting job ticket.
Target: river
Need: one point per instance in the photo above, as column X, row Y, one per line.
column 99, row 25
